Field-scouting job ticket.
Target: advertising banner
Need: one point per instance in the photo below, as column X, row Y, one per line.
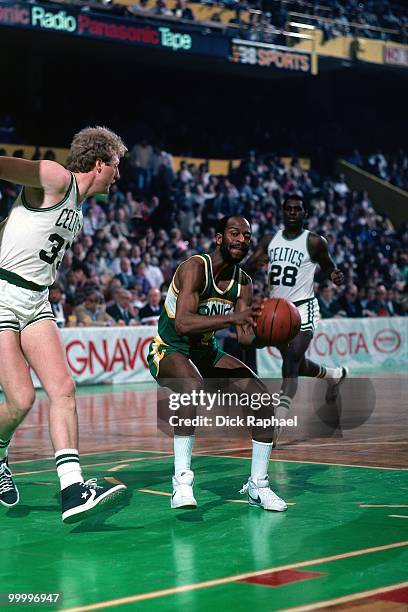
column 116, row 355
column 270, row 56
column 396, row 55
column 73, row 21
column 119, row 355
column 361, row 344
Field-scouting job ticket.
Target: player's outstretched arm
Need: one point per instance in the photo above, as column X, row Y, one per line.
column 46, row 175
column 255, row 261
column 190, row 279
column 319, row 253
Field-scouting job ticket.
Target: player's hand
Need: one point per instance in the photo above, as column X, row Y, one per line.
column 337, row 277
column 247, row 316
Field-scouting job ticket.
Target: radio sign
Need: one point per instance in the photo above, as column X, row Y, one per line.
column 48, row 20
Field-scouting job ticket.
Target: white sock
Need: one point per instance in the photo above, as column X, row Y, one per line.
column 68, row 467
column 332, row 373
column 183, row 449
column 261, row 452
column 4, row 444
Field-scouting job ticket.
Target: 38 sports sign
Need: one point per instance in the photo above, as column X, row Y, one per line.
column 270, row 56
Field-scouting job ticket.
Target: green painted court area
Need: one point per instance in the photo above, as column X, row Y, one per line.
column 224, row 555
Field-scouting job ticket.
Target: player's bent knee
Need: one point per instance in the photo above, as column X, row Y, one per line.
column 21, row 403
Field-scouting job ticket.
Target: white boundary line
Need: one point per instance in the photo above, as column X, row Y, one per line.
column 239, row 577
column 347, row 598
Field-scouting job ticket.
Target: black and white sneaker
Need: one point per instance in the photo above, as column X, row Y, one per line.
column 261, row 495
column 83, row 499
column 9, row 495
column 334, row 384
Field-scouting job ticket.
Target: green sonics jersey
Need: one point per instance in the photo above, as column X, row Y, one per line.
column 212, row 302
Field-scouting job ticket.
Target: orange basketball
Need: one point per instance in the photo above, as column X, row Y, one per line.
column 278, row 323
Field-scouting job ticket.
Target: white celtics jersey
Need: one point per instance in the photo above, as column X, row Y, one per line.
column 290, row 269
column 33, row 240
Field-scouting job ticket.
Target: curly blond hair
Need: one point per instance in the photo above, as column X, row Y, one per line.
column 93, row 143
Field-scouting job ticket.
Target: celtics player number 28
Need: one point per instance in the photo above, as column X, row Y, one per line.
column 288, row 278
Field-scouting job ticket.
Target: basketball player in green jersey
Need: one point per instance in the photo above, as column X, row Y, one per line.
column 43, row 222
column 209, row 293
column 293, row 255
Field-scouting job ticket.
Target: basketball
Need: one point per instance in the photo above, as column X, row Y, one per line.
column 278, row 323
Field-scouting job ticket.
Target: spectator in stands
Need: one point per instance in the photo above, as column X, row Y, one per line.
column 126, row 277
column 152, row 271
column 340, row 186
column 56, row 299
column 149, row 314
column 141, row 281
column 162, row 8
column 142, row 7
column 182, row 11
column 327, row 304
column 78, row 283
column 166, row 269
column 349, row 303
column 92, row 313
column 393, row 302
column 122, row 310
column 380, row 306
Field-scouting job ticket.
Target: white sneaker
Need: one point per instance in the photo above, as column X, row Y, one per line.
column 260, row 494
column 333, row 385
column 183, row 496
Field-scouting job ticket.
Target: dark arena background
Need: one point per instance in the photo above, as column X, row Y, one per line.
column 226, row 108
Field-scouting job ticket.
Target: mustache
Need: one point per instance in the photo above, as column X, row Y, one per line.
column 239, row 246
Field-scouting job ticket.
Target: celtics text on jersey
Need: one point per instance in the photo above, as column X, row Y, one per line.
column 290, row 267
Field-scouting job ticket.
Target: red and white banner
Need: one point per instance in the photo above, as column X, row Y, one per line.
column 119, row 355
column 363, row 344
column 114, row 355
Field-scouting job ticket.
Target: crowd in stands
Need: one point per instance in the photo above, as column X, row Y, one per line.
column 264, row 20
column 119, row 269
column 391, row 168
column 364, row 18
column 261, row 20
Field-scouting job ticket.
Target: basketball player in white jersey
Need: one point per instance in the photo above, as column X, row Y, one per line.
column 42, row 224
column 293, row 255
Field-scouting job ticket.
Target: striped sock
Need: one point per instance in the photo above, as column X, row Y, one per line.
column 261, row 452
column 4, row 444
column 183, row 448
column 282, row 409
column 68, row 467
column 322, row 372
